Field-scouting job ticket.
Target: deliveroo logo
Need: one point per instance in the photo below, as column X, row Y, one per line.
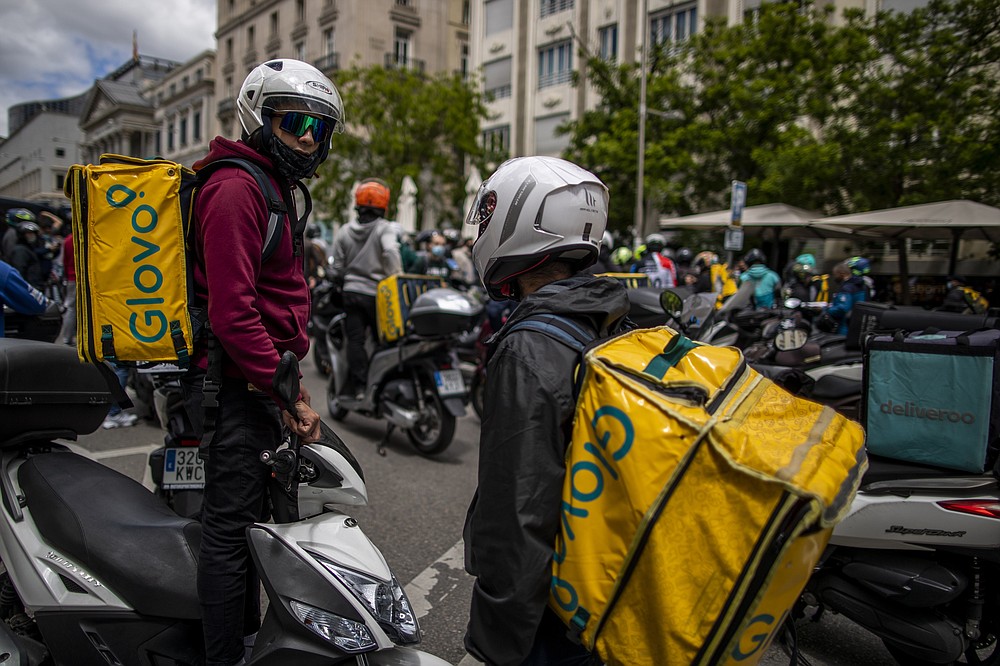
column 146, row 277
column 589, row 477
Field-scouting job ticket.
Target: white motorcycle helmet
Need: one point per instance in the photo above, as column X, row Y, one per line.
column 533, row 210
column 284, row 84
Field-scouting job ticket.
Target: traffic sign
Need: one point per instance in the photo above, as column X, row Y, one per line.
column 739, row 199
column 733, row 242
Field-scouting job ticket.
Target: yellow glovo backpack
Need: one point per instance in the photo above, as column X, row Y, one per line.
column 131, row 242
column 698, row 497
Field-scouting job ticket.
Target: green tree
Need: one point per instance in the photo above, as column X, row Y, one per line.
column 402, row 123
column 923, row 122
column 859, row 114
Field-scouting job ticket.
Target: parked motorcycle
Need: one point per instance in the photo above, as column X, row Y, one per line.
column 177, row 472
column 416, row 382
column 917, row 563
column 98, row 571
column 326, row 304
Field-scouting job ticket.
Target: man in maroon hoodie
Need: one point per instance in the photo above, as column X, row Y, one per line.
column 257, row 309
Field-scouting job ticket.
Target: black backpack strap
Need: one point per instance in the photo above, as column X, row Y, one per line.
column 560, row 329
column 276, row 206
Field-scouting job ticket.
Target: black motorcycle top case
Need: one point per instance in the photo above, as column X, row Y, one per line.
column 46, row 392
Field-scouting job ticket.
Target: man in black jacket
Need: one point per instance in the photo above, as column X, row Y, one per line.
column 540, row 221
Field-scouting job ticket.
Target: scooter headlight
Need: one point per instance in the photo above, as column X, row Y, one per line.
column 348, row 635
column 387, row 602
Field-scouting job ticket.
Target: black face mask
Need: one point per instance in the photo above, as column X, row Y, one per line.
column 290, row 164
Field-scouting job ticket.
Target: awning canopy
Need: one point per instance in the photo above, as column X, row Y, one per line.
column 793, row 221
column 968, row 220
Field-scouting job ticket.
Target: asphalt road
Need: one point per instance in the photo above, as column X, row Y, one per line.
column 415, row 515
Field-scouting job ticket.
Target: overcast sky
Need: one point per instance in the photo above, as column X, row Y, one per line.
column 54, row 48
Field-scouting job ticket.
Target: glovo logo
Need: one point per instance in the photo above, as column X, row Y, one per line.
column 590, row 476
column 146, row 277
column 755, row 637
column 390, row 311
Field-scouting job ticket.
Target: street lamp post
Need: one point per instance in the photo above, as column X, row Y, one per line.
column 640, row 209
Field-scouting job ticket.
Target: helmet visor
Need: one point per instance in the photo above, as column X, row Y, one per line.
column 298, row 123
column 278, row 105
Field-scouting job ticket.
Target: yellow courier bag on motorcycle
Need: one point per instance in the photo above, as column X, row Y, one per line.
column 698, row 497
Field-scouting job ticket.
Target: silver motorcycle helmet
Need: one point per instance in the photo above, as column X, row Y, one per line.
column 280, row 86
column 533, row 210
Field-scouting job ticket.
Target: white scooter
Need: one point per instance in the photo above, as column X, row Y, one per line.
column 99, row 571
column 917, row 563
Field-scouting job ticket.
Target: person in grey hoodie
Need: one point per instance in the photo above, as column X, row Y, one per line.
column 365, row 252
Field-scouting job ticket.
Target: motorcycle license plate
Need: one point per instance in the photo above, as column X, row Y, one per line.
column 183, row 469
column 449, row 382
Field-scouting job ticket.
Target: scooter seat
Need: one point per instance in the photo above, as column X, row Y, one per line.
column 117, row 530
column 887, row 469
column 835, row 387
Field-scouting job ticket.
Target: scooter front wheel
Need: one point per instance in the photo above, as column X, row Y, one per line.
column 436, row 427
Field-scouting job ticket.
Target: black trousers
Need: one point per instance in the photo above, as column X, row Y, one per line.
column 238, row 493
column 361, row 317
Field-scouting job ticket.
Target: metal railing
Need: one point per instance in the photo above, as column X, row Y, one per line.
column 392, row 61
column 328, row 63
column 548, row 7
column 555, row 78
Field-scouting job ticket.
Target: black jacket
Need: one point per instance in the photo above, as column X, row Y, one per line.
column 512, row 523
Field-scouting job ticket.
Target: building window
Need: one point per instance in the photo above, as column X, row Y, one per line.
column 60, row 152
column 548, row 7
column 404, row 3
column 227, row 89
column 170, row 137
column 300, row 11
column 60, row 181
column 547, row 142
column 274, row 24
column 196, row 126
column 300, row 50
column 401, row 46
column 464, row 60
column 496, row 140
column 675, row 25
column 328, row 42
column 555, row 64
column 608, row 36
column 466, row 12
column 250, row 37
column 229, row 49
column 499, row 16
column 497, row 77
column 184, row 83
column 184, row 131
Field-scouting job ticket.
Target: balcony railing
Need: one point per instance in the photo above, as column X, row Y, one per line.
column 227, row 106
column 392, row 61
column 555, row 78
column 549, row 7
column 328, row 63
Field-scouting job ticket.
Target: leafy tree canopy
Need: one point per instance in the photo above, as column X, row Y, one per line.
column 838, row 116
column 402, row 123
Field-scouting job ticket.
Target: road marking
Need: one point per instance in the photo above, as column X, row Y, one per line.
column 420, row 590
column 144, row 450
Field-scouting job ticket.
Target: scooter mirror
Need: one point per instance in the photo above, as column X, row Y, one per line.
column 792, row 303
column 671, row 303
column 286, row 381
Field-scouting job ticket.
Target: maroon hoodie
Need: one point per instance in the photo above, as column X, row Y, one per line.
column 257, row 309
